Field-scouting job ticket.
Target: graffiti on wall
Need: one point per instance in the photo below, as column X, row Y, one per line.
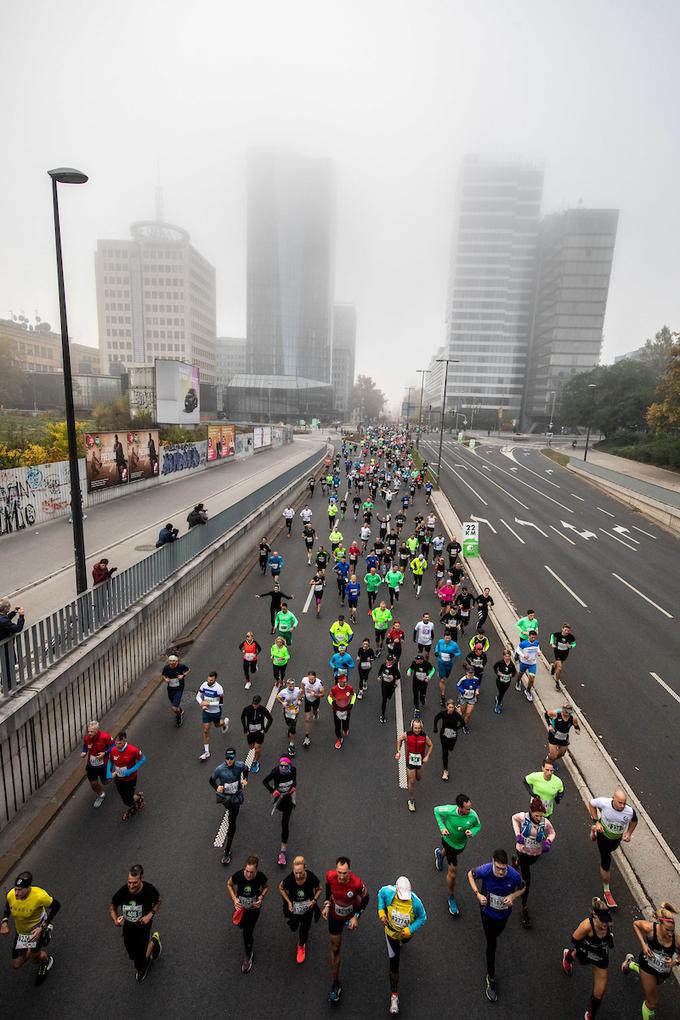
column 182, row 457
column 33, row 495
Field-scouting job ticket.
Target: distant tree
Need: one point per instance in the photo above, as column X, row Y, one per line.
column 11, row 376
column 367, row 397
column 656, row 352
column 114, row 415
column 620, row 400
column 665, row 411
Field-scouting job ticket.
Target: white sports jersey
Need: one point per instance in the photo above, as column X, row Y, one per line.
column 306, row 515
column 289, row 513
column 289, row 699
column 312, row 687
column 213, row 694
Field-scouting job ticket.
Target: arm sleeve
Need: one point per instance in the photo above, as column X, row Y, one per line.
column 243, row 719
column 53, row 909
column 420, row 915
column 267, row 782
column 136, row 766
column 268, row 718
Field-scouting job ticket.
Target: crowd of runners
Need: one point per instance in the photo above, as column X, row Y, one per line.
column 373, row 501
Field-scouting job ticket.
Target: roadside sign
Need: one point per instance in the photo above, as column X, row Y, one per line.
column 470, row 538
column 461, row 437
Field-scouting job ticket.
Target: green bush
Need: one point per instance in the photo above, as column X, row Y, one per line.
column 661, row 451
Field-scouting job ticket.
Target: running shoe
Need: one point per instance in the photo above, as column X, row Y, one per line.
column 180, row 717
column 43, row 970
column 291, row 750
column 497, row 708
column 360, row 695
column 255, row 767
column 247, row 685
column 525, row 919
column 491, row 991
column 338, row 745
column 528, row 695
column 336, row 991
column 453, row 907
column 609, row 900
column 438, row 859
column 204, row 756
column 567, row 965
column 281, row 860
column 306, row 742
column 100, row 800
column 466, row 729
column 394, row 1003
column 555, row 766
column 445, row 775
column 247, row 964
column 625, row 966
column 411, row 805
column 301, row 953
column 140, row 975
column 157, row 945
column 226, row 859
column 518, row 685
column 382, row 718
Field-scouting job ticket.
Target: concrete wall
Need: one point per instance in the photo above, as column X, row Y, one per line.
column 44, row 722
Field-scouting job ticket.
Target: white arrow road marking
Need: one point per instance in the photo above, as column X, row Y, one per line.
column 514, row 469
column 605, row 511
column 583, row 534
column 666, row 687
column 485, row 467
column 530, row 524
column 224, row 824
column 643, row 532
column 483, row 520
column 565, row 586
column 626, row 533
column 617, row 539
column 582, row 500
column 638, row 592
column 561, row 535
column 549, row 471
column 399, row 714
column 513, row 532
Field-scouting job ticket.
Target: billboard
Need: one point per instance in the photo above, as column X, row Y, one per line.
column 221, row 442
column 262, row 436
column 115, row 458
column 178, row 391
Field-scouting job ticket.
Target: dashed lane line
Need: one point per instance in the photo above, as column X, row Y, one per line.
column 512, row 532
column 665, row 686
column 617, row 539
column 565, row 586
column 642, row 596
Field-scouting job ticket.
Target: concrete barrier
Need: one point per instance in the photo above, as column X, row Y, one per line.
column 662, row 513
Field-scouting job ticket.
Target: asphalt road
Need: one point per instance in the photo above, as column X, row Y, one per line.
column 554, row 542
column 349, row 802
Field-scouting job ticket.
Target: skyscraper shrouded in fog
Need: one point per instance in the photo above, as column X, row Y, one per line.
column 491, row 283
column 343, row 357
column 575, row 254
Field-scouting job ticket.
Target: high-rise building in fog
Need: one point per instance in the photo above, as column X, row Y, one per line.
column 342, row 359
column 290, row 265
column 155, row 299
column 575, row 253
column 230, row 358
column 491, row 283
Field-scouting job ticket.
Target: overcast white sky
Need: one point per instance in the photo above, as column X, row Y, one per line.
column 394, row 91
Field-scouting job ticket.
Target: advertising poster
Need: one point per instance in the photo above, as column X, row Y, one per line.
column 142, row 454
column 106, row 461
column 262, row 436
column 221, row 442
column 178, row 390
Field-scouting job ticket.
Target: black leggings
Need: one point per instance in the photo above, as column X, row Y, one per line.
column 502, row 690
column 448, row 746
column 606, row 847
column 247, row 926
column 136, row 941
column 232, row 812
column 419, row 692
column 372, row 596
column 526, row 862
column 387, row 691
column 286, row 808
column 301, row 923
column 341, row 726
column 279, row 674
column 249, row 667
column 394, row 945
column 493, row 926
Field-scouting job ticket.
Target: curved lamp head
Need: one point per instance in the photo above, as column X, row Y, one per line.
column 67, row 175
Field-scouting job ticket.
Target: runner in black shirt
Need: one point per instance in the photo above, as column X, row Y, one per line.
column 133, row 909
column 388, row 674
column 454, row 549
column 451, row 722
column 322, row 557
column 276, row 597
column 300, row 892
column 562, row 642
column 248, row 889
column 256, row 720
column 264, row 552
column 463, row 601
column 477, row 659
column 505, row 670
column 365, row 660
column 484, row 602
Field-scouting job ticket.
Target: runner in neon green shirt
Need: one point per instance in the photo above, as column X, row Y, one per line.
column 411, row 544
column 341, row 633
column 285, row 623
column 527, row 623
column 372, row 580
column 382, row 619
column 457, row 823
column 335, row 539
column 418, row 567
column 394, row 579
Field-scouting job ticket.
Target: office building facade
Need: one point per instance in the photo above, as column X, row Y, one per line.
column 575, row 254
column 230, row 358
column 38, row 349
column 491, row 283
column 343, row 358
column 156, row 298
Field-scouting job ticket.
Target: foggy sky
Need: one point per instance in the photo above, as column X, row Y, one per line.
column 394, row 92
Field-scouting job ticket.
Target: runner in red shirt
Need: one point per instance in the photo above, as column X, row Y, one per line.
column 96, row 746
column 124, row 761
column 341, row 699
column 345, row 899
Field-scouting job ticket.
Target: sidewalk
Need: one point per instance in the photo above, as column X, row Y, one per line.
column 37, row 565
column 644, row 479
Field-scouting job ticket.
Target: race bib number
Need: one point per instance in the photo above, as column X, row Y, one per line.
column 212, row 703
column 230, row 788
column 246, row 901
column 342, row 911
column 468, row 696
column 342, row 714
column 173, row 683
column 24, row 941
column 254, row 727
column 365, row 665
column 132, row 912
column 449, row 733
column 96, row 759
column 290, row 713
column 658, row 961
column 445, row 656
column 497, row 902
column 250, row 656
column 301, row 908
column 399, row 920
column 616, row 828
column 531, row 843
column 415, row 760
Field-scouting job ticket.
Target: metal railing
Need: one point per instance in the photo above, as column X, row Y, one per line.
column 27, row 655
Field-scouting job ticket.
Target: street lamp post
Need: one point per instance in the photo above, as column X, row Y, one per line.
column 408, row 404
column 423, row 372
column 66, row 175
column 591, row 386
column 447, row 362
column 552, row 410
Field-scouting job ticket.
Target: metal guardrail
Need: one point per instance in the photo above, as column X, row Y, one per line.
column 30, row 653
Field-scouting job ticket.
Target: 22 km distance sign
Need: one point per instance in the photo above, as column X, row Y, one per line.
column 470, row 538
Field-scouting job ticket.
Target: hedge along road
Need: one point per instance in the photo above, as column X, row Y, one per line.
column 615, row 561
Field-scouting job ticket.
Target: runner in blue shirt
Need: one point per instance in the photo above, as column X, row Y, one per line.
column 341, row 661
column 352, row 593
column 445, row 651
column 501, row 885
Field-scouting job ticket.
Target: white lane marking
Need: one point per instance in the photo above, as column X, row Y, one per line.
column 530, row 524
column 485, row 467
column 460, row 478
column 483, row 520
column 617, row 539
column 604, row 511
column 625, row 532
column 638, row 592
column 221, row 834
column 666, row 687
column 399, row 716
column 565, row 586
column 580, row 498
column 309, row 599
column 498, row 486
column 643, row 532
column 540, row 492
column 569, row 540
column 513, row 532
column 584, row 534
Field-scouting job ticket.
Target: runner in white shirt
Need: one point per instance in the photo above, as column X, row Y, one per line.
column 306, row 515
column 290, row 697
column 365, row 536
column 313, row 691
column 210, row 696
column 423, row 634
column 288, row 515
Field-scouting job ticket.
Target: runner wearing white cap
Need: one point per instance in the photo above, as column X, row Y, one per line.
column 401, row 914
